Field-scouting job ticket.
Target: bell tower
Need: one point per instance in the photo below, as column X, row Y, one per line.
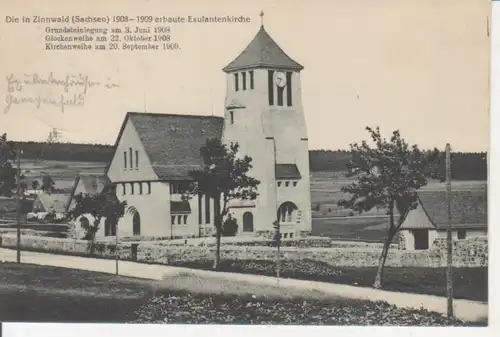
column 264, row 115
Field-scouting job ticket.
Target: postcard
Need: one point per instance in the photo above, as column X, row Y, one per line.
column 245, row 163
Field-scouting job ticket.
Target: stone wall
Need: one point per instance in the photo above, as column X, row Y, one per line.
column 471, row 252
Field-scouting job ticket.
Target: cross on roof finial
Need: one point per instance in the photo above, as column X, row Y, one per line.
column 262, row 18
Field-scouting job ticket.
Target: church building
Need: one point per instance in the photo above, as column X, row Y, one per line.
column 263, row 114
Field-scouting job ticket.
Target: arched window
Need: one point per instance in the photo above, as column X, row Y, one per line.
column 287, row 212
column 248, row 222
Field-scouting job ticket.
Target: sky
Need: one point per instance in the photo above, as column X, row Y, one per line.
column 418, row 66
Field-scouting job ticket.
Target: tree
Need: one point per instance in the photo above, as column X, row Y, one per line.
column 48, row 184
column 23, row 185
column 8, row 172
column 35, row 184
column 223, row 178
column 388, row 176
column 104, row 205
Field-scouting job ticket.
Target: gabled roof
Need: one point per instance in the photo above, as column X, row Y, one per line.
column 469, row 209
column 92, row 184
column 52, row 202
column 416, row 219
column 263, row 52
column 287, row 171
column 173, row 142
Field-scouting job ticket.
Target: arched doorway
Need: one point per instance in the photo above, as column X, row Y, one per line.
column 248, row 222
column 287, row 212
column 136, row 220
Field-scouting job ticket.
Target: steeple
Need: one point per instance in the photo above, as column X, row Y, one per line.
column 263, row 52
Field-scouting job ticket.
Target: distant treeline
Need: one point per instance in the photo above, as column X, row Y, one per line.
column 66, row 151
column 465, row 166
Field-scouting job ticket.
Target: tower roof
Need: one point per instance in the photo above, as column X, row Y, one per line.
column 263, row 51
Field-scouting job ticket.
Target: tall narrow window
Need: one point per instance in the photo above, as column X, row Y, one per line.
column 289, row 89
column 270, row 84
column 207, row 209
column 173, row 219
column 199, row 209
column 179, row 219
column 124, row 189
column 140, row 188
column 185, row 219
column 236, row 82
column 281, row 90
column 461, row 234
column 131, row 159
column 136, row 159
column 251, row 79
column 149, row 188
column 244, row 80
column 131, row 188
column 231, row 117
column 125, row 159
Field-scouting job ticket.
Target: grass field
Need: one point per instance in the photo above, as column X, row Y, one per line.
column 355, row 228
column 48, row 294
column 468, row 283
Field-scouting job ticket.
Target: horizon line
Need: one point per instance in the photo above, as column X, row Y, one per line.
column 311, row 149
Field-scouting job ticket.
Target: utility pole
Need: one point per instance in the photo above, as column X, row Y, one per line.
column 116, row 246
column 449, row 244
column 277, row 240
column 276, row 225
column 18, row 178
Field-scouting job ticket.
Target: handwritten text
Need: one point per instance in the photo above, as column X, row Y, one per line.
column 71, row 90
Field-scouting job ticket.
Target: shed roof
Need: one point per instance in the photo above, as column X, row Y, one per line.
column 180, row 207
column 287, row 171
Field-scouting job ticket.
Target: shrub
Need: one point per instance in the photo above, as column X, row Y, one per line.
column 230, row 226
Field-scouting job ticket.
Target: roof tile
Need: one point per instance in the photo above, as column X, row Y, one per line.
column 173, row 142
column 468, row 208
